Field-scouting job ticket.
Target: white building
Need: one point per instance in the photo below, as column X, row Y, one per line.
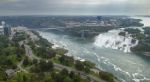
column 5, row 29
column 1, row 30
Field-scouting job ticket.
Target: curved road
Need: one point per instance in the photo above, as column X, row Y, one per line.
column 30, row 54
column 57, row 66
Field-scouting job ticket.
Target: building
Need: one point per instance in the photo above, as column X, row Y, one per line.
column 73, row 24
column 1, row 30
column 9, row 73
column 5, row 29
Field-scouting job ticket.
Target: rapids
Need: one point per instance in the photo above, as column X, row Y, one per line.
column 107, row 52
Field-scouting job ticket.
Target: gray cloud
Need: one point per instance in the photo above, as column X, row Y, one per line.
column 74, row 7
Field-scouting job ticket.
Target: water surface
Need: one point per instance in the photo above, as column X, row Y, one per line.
column 128, row 67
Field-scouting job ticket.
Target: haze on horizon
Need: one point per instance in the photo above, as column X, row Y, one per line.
column 74, row 7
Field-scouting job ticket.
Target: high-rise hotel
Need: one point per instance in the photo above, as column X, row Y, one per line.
column 5, row 29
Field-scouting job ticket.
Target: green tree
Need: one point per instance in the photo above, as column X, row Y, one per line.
column 66, row 60
column 72, row 74
column 27, row 61
column 108, row 77
column 64, row 72
column 79, row 66
column 67, row 79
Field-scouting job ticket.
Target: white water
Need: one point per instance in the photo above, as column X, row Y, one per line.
column 113, row 40
column 127, row 67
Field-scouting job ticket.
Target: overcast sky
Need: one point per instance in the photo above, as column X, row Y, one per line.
column 74, row 7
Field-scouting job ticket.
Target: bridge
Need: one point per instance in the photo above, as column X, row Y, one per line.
column 56, row 28
column 82, row 32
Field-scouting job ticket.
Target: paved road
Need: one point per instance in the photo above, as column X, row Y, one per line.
column 20, row 67
column 30, row 54
column 58, row 66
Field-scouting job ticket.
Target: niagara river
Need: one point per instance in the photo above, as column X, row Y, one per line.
column 125, row 65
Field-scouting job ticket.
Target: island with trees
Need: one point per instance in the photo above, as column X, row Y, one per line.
column 143, row 36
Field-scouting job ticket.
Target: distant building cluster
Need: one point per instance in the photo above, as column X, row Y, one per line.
column 92, row 23
column 5, row 29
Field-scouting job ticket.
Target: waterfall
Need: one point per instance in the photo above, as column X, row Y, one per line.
column 113, row 40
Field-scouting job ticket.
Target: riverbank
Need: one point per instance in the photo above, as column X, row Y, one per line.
column 104, row 58
column 86, row 67
column 39, row 60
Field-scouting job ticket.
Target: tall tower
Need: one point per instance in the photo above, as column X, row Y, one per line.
column 2, row 29
column 7, row 29
column 3, row 23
